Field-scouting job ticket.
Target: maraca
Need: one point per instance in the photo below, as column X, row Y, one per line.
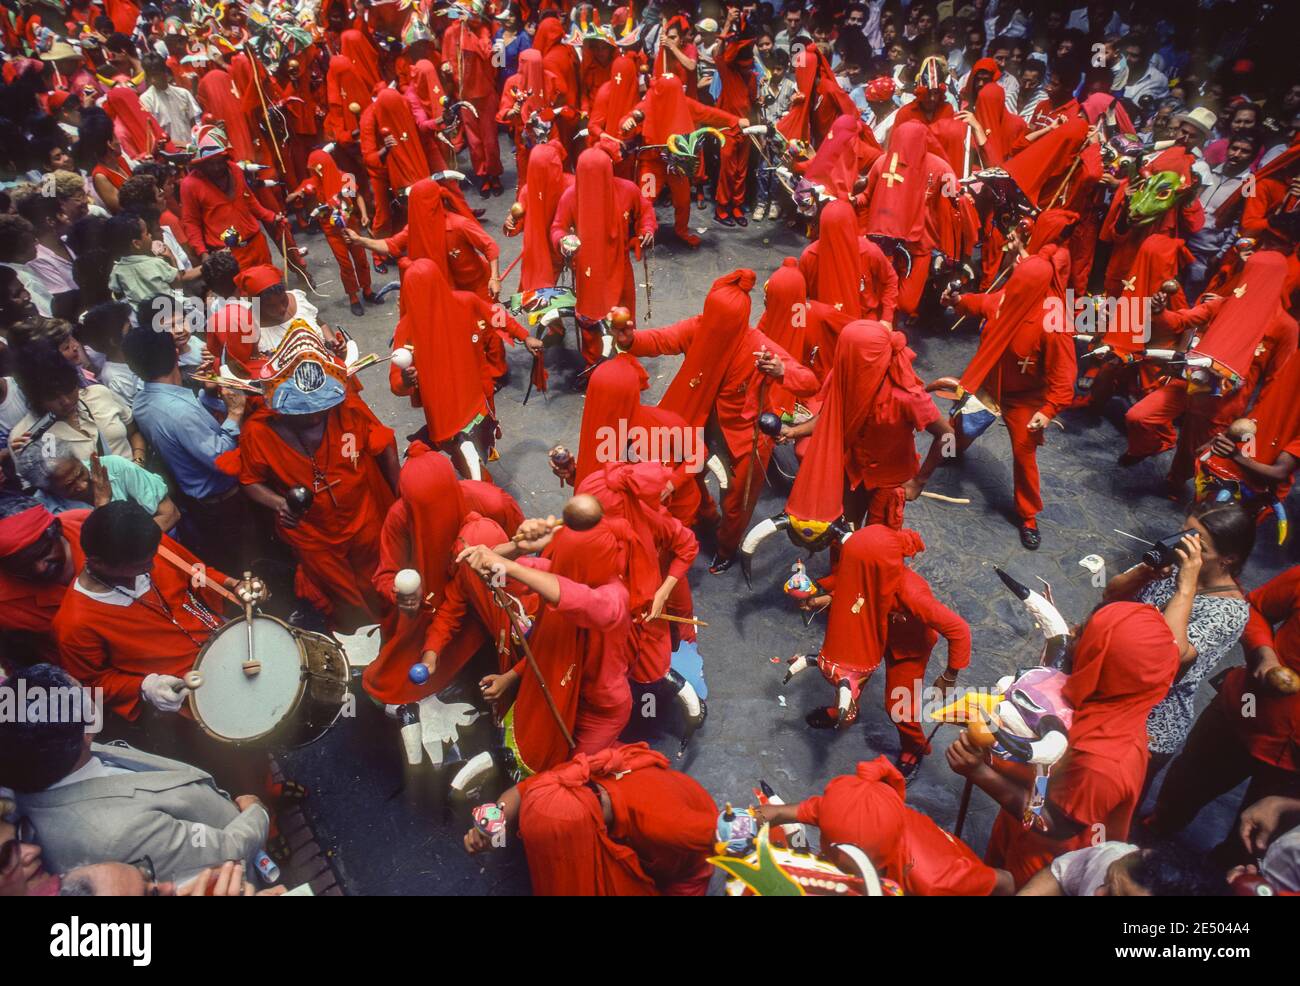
column 1282, row 681
column 354, row 108
column 769, row 424
column 403, row 358
column 299, row 499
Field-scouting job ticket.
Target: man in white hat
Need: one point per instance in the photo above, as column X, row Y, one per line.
column 1191, row 130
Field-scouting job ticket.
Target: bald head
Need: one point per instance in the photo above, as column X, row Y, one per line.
column 582, row 512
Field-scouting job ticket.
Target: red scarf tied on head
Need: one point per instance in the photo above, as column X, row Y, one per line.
column 21, row 530
column 602, row 232
column 897, row 207
column 406, row 162
column 357, row 47
column 595, row 557
column 868, row 581
column 569, row 848
column 545, row 184
column 866, row 809
column 613, row 395
column 1017, row 325
column 667, row 112
column 847, row 150
column 872, row 363
column 839, row 260
column 137, row 132
column 723, row 326
column 1124, row 663
column 447, row 360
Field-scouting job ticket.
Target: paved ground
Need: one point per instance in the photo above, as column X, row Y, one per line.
column 390, row 829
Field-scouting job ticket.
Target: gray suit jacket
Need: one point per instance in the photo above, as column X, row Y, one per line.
column 164, row 809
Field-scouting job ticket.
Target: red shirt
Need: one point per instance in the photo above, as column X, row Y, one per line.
column 884, row 452
column 207, row 212
column 115, row 647
column 30, row 606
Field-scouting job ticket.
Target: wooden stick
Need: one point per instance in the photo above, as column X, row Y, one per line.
column 504, row 603
column 681, row 619
column 945, row 499
column 517, row 537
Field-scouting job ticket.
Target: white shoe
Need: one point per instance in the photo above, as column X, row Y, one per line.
column 773, row 210
column 760, row 211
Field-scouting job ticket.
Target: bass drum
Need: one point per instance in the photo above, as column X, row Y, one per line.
column 298, row 694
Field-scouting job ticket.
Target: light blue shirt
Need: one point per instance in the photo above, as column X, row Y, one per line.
column 187, row 437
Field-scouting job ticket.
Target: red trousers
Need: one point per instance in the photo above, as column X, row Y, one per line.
column 912, row 287
column 1083, row 248
column 382, row 215
column 879, row 505
column 653, row 177
column 1150, row 424
column 733, row 173
column 354, row 271
column 338, row 580
column 255, row 253
column 592, row 345
column 904, row 691
column 1016, row 414
column 735, row 513
column 481, row 136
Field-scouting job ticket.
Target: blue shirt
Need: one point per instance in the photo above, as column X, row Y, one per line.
column 187, row 437
column 510, row 53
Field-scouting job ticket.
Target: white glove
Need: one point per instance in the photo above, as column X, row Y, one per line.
column 165, row 692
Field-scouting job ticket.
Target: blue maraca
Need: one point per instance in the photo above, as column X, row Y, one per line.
column 418, row 674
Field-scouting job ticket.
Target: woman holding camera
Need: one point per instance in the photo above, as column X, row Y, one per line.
column 1204, row 607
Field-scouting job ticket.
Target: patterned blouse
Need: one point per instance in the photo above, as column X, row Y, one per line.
column 1213, row 629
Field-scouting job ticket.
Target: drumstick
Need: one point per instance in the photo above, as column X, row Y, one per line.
column 681, row 619
column 519, row 537
column 945, row 499
column 191, row 680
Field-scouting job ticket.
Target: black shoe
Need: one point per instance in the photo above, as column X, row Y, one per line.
column 370, row 298
column 356, row 308
column 723, row 220
column 820, row 718
column 485, row 189
column 478, row 213
column 741, row 220
column 907, row 765
column 497, row 188
column 1128, row 460
column 1030, row 537
column 720, row 564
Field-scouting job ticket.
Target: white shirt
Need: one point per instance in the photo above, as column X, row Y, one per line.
column 1083, row 872
column 116, row 595
column 12, row 409
column 35, row 285
column 175, row 110
column 92, row 769
column 118, row 378
column 1152, row 82
column 53, row 270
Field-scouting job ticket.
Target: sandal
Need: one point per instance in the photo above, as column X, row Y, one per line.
column 908, row 761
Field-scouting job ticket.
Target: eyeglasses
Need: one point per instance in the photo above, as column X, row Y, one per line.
column 145, row 865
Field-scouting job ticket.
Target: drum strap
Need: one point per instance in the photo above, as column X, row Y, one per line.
column 167, row 555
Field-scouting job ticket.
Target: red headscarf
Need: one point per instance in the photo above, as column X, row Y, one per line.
column 428, row 87
column 493, row 503
column 343, row 87
column 1158, row 259
column 1003, row 127
column 621, row 91
column 897, row 206
column 872, row 364
column 1017, row 325
column 817, row 84
column 426, row 224
column 406, row 162
column 1102, row 103
column 666, row 110
column 328, row 179
column 866, row 809
column 1038, row 168
column 447, row 361
column 602, row 231
column 232, row 330
column 23, row 529
column 137, row 131
column 785, row 296
column 613, row 395
column 545, row 183
column 558, row 56
column 435, row 512
column 569, row 849
column 868, row 588
column 357, row 47
column 1242, row 321
column 217, row 97
column 982, row 65
column 845, row 153
column 1124, row 663
column 839, row 260
column 723, row 326
column 630, row 491
column 594, row 557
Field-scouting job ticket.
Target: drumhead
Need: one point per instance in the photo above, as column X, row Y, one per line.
column 230, row 704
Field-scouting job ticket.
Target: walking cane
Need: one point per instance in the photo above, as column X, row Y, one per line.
column 964, row 807
column 500, row 597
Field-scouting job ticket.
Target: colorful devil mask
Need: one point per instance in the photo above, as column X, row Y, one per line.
column 302, row 376
column 1154, row 197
